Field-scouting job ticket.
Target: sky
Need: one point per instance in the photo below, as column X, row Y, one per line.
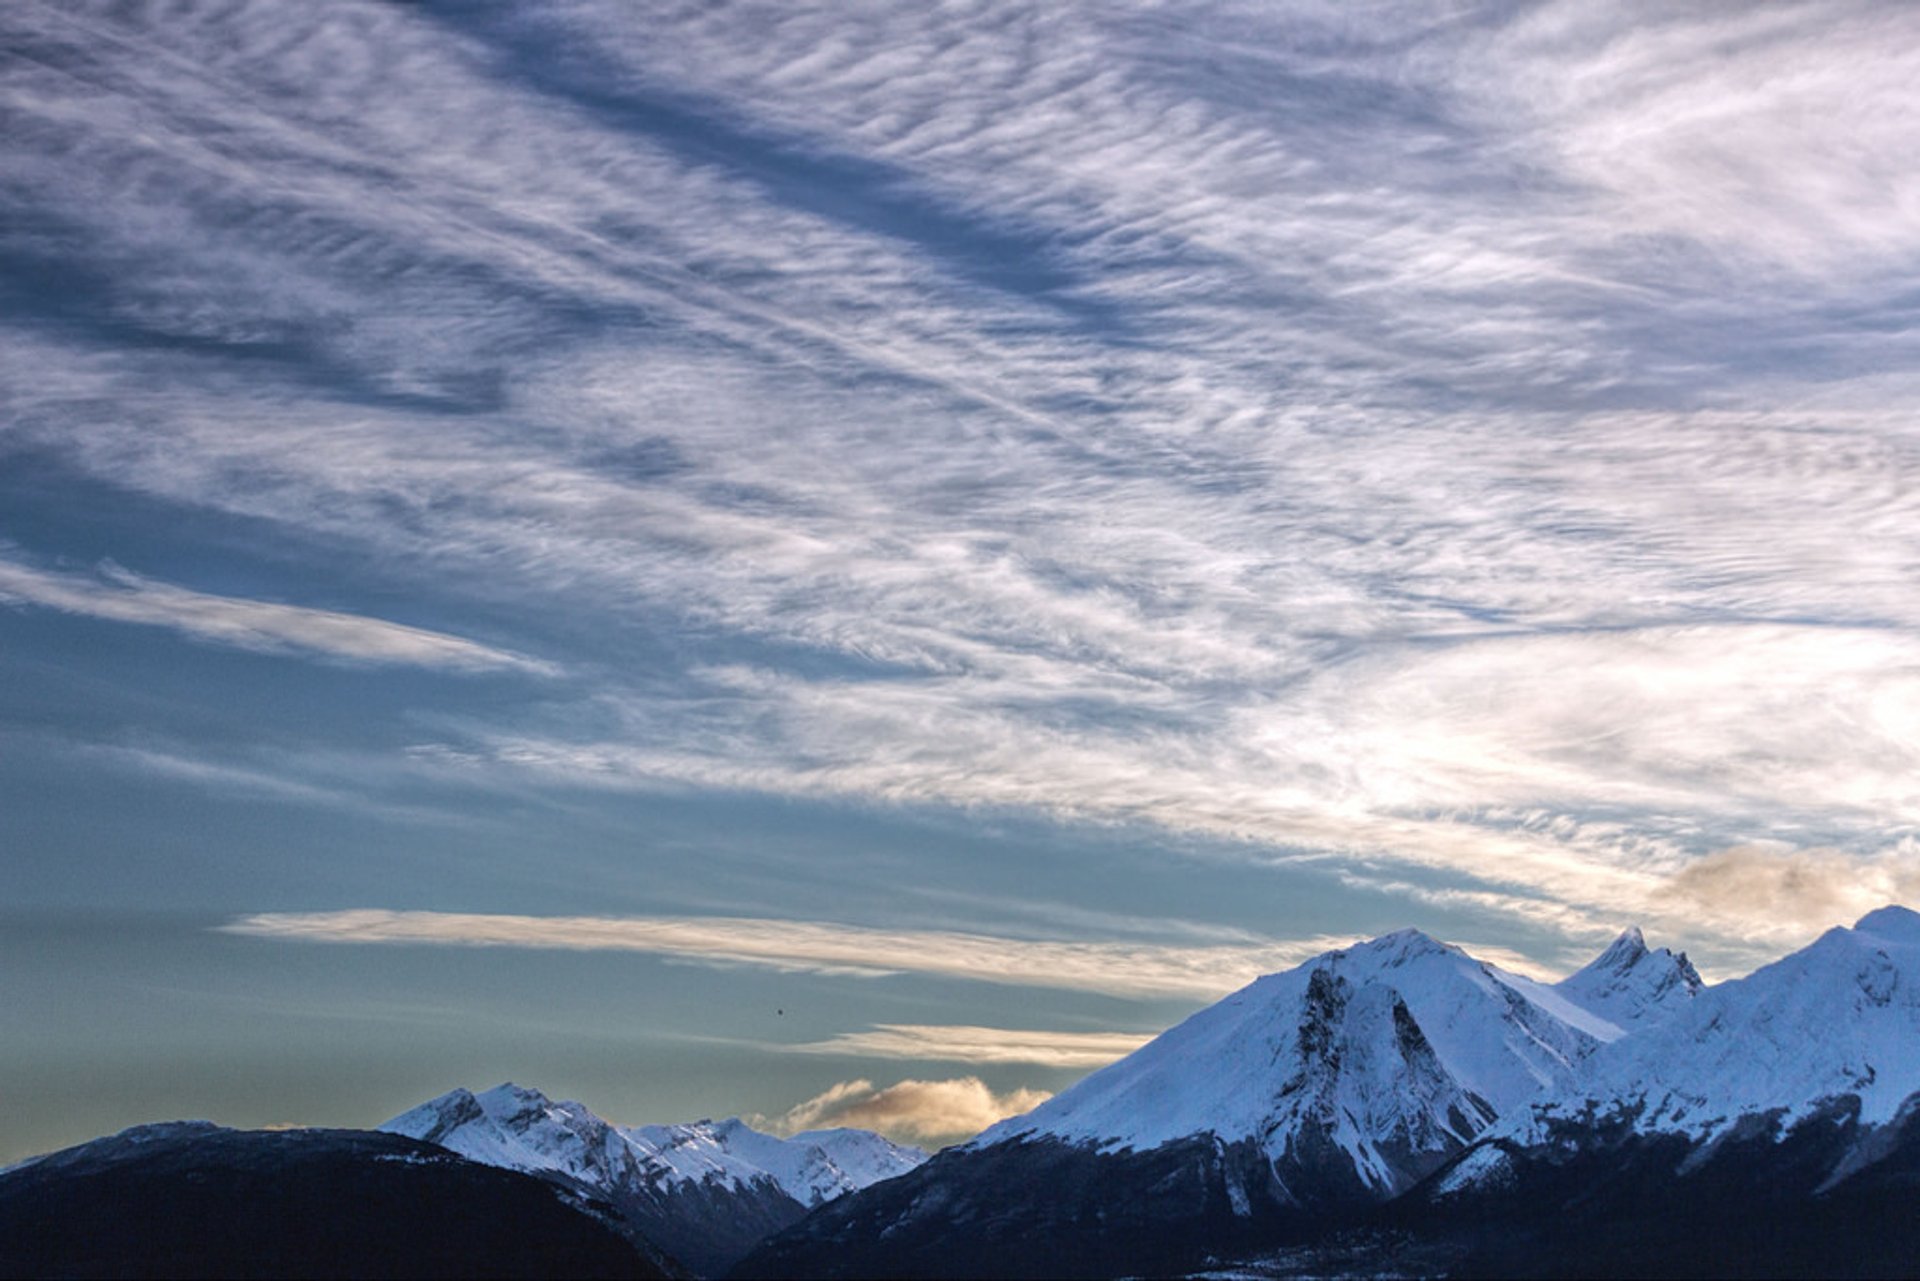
column 851, row 562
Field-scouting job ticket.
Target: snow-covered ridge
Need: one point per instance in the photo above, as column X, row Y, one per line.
column 1840, row 1017
column 522, row 1129
column 812, row 1167
column 1397, row 1051
column 1386, row 1056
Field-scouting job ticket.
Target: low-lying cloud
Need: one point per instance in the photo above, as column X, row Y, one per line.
column 1799, row 891
column 924, row 1112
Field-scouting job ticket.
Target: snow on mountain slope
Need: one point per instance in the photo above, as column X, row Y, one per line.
column 1840, row 1017
column 1393, row 1051
column 522, row 1129
column 812, row 1168
column 1631, row 985
column 519, row 1129
column 706, row 1192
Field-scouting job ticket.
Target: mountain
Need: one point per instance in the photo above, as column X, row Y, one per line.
column 1837, row 1019
column 813, row 1167
column 1307, row 1096
column 1632, row 986
column 192, row 1199
column 1769, row 1127
column 1826, row 1039
column 1392, row 1108
column 706, row 1192
column 1357, row 1071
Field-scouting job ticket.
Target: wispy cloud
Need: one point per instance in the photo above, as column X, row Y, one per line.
column 1119, row 969
column 953, row 1043
column 1476, row 443
column 911, row 1111
column 121, row 596
column 1719, row 125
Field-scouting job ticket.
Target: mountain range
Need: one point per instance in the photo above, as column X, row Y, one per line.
column 704, row 1192
column 1397, row 1107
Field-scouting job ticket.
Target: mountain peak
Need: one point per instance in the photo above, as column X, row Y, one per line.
column 1401, row 946
column 514, row 1095
column 1408, row 936
column 1836, row 1020
column 1893, row 922
column 1630, row 946
column 1626, row 951
column 1630, row 983
column 1355, row 1072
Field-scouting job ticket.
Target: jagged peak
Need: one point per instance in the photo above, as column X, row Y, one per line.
column 1628, row 952
column 1630, row 982
column 1624, row 952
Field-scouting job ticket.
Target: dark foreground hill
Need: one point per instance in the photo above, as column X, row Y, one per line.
column 1824, row 1197
column 191, row 1199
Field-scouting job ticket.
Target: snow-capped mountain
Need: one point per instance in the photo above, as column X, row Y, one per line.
column 1394, row 1108
column 1383, row 1058
column 812, row 1167
column 1399, row 1107
column 1839, row 1019
column 1307, row 1094
column 705, row 1191
column 1769, row 1126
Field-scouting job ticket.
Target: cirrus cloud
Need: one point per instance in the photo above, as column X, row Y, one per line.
column 121, row 596
column 962, row 1044
column 1473, row 447
column 1118, row 969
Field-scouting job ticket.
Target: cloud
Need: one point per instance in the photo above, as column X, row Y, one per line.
column 1578, row 767
column 1721, row 125
column 1472, row 445
column 910, row 1111
column 1117, row 969
column 1801, row 891
column 962, row 1044
column 121, row 596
